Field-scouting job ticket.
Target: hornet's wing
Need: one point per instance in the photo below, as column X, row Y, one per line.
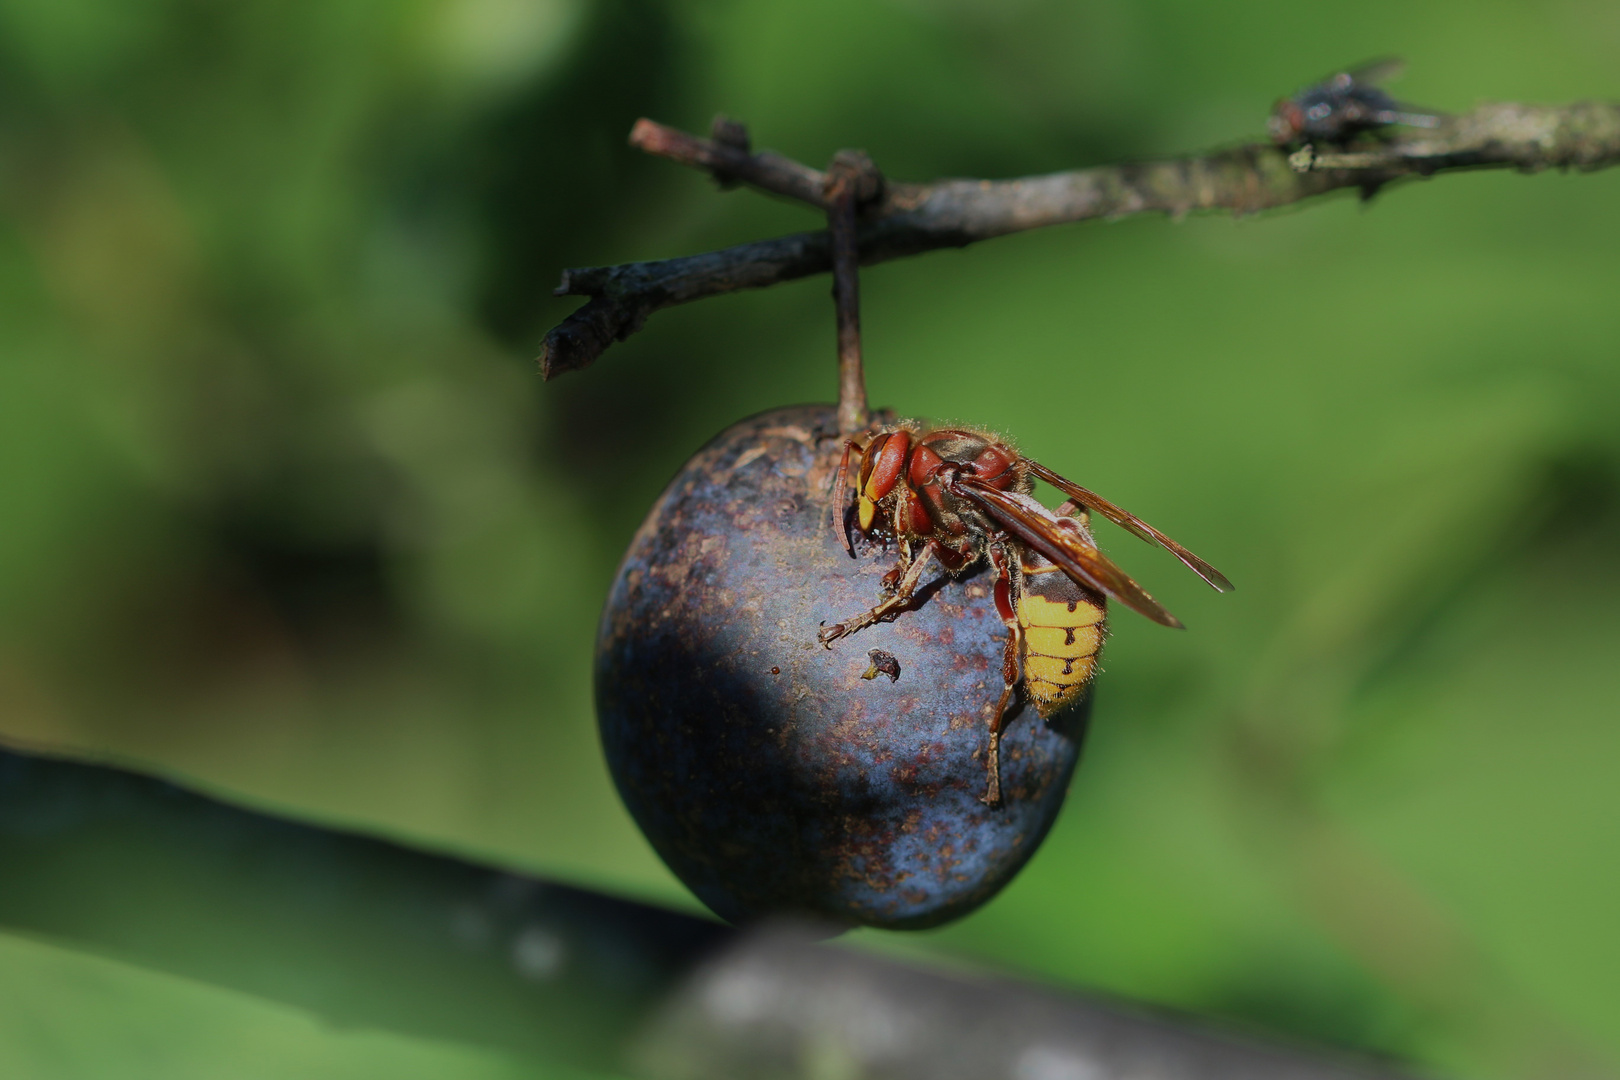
column 1037, row 526
column 1132, row 523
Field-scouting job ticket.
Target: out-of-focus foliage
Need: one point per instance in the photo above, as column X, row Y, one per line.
column 284, row 508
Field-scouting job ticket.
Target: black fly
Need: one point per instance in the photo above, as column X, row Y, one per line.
column 1341, row 107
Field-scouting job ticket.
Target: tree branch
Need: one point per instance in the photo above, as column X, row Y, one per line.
column 912, row 218
column 368, row 933
column 726, row 154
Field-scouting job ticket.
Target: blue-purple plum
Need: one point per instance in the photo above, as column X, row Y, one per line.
column 767, row 773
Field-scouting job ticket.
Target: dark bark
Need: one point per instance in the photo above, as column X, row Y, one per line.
column 365, row 932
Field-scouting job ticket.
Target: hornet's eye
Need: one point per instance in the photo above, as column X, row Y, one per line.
column 886, row 458
column 880, row 468
column 868, row 458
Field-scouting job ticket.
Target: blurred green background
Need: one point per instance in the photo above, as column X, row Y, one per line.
column 285, row 511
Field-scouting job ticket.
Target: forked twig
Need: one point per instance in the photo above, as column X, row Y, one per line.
column 907, row 219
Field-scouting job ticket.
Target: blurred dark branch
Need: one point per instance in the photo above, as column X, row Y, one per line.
column 364, row 932
column 912, row 218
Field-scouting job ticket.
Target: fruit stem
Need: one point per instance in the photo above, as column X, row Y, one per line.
column 850, row 177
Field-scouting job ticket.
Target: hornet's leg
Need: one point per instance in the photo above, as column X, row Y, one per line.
column 897, row 573
column 890, row 605
column 1011, row 666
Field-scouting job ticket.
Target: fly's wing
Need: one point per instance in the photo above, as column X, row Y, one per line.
column 1037, row 526
column 1131, row 523
column 1402, row 115
column 1387, row 69
column 1373, row 72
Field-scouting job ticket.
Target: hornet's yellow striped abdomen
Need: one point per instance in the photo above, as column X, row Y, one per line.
column 1063, row 625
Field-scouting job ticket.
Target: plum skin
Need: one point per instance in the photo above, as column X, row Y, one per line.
column 769, row 776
